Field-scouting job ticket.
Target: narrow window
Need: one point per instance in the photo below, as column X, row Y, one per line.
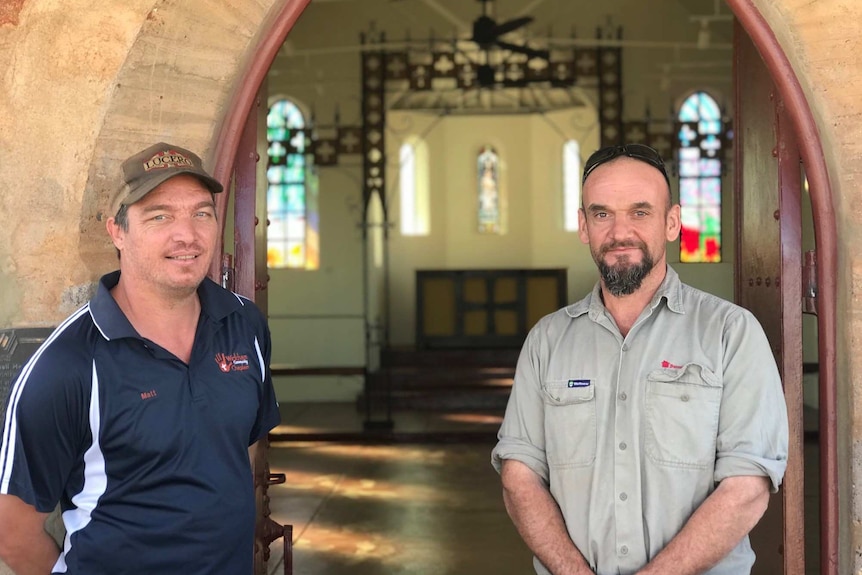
column 488, row 171
column 293, row 232
column 571, row 184
column 413, row 185
column 700, row 137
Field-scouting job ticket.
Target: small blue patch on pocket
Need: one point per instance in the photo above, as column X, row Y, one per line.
column 578, row 383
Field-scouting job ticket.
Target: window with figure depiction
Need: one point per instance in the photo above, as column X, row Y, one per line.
column 700, row 139
column 488, row 170
column 291, row 197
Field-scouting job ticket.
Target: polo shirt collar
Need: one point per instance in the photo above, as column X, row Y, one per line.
column 670, row 289
column 216, row 303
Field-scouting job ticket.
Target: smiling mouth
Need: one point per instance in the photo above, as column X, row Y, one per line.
column 183, row 258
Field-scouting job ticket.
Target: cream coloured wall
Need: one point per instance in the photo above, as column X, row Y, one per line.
column 316, row 316
column 530, row 146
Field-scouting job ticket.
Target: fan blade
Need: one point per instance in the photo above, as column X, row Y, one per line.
column 526, row 50
column 512, row 25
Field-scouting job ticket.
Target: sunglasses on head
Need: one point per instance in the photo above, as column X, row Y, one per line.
column 635, row 151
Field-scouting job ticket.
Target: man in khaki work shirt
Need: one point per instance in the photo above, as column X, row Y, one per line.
column 646, row 425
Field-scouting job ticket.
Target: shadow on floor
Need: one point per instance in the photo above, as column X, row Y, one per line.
column 378, row 508
column 375, row 509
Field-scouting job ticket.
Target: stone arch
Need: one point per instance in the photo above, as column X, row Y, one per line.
column 204, row 95
column 176, row 83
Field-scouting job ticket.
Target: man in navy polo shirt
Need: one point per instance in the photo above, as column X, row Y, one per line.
column 138, row 415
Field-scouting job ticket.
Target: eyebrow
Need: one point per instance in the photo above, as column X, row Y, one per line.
column 166, row 207
column 592, row 208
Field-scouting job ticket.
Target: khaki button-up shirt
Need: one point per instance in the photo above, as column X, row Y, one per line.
column 632, row 433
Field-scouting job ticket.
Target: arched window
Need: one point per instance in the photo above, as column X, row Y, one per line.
column 700, row 138
column 291, row 198
column 413, row 186
column 571, row 184
column 488, row 172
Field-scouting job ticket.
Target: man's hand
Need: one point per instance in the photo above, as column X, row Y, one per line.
column 718, row 525
column 538, row 519
column 25, row 546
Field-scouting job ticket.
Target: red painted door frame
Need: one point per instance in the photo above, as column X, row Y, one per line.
column 810, row 148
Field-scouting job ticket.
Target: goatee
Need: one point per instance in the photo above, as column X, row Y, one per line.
column 624, row 278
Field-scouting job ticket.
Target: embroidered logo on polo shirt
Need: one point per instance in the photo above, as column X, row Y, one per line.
column 231, row 362
column 666, row 363
column 149, row 394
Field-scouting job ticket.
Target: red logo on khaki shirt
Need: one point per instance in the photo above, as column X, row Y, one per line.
column 231, row 362
column 666, row 363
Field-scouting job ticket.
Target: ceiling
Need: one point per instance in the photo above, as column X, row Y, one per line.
column 668, row 47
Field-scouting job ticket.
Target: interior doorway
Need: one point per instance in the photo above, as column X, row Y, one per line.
column 799, row 122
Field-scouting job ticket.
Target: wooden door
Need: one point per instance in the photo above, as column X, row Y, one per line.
column 250, row 279
column 768, row 278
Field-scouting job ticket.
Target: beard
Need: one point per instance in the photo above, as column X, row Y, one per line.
column 623, row 278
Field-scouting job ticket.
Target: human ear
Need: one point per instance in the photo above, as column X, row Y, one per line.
column 116, row 233
column 582, row 227
column 673, row 223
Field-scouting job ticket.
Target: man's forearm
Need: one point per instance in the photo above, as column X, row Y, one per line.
column 718, row 525
column 539, row 521
column 25, row 546
column 35, row 557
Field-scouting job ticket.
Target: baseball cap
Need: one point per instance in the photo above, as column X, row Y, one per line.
column 144, row 171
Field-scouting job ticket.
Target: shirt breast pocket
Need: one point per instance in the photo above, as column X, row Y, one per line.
column 570, row 422
column 682, row 407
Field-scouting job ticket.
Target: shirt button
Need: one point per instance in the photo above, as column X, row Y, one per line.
column 625, row 347
column 623, row 496
column 623, row 445
column 623, row 396
column 624, row 550
column 684, row 397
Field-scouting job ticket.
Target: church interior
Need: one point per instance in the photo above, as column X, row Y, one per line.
column 404, row 274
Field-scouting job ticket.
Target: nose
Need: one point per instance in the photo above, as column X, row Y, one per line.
column 183, row 230
column 620, row 228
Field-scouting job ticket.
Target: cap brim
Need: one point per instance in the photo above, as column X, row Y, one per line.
column 211, row 183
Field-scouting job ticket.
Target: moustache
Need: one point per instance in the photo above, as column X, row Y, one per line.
column 624, row 244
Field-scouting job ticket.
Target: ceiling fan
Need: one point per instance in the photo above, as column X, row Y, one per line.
column 487, row 35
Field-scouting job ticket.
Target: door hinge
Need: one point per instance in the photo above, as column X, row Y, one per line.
column 809, row 283
column 227, row 272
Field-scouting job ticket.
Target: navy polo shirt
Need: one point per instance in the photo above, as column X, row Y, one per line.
column 147, row 456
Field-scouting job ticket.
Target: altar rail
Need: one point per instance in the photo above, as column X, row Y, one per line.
column 485, row 308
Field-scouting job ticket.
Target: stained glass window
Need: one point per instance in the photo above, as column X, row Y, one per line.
column 699, row 161
column 293, row 232
column 488, row 180
column 571, row 184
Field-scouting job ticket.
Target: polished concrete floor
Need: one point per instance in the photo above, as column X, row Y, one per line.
column 402, row 508
column 410, row 508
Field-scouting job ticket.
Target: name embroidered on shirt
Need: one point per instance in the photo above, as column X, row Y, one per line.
column 149, row 394
column 232, row 362
column 666, row 363
column 578, row 383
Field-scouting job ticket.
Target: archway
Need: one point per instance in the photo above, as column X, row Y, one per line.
column 811, row 151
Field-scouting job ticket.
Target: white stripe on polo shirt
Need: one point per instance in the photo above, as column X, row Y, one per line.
column 260, row 360
column 95, row 480
column 10, row 431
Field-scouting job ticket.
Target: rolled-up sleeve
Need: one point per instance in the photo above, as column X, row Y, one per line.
column 753, row 429
column 522, row 434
